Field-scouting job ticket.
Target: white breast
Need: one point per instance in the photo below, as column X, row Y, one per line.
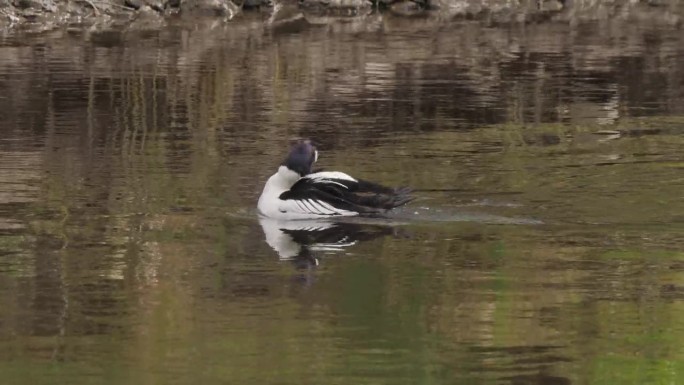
column 269, row 201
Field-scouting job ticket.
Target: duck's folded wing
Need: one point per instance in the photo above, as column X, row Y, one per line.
column 336, row 193
column 374, row 197
column 340, row 179
column 309, row 197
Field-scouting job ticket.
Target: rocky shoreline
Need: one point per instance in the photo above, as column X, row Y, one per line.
column 37, row 15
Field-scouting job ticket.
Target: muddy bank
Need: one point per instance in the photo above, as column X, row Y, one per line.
column 42, row 15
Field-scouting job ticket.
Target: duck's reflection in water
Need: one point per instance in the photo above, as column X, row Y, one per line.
column 303, row 241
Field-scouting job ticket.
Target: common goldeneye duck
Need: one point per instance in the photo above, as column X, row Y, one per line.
column 295, row 193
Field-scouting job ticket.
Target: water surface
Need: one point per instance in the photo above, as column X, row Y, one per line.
column 545, row 246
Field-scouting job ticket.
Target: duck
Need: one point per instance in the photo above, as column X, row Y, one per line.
column 296, row 192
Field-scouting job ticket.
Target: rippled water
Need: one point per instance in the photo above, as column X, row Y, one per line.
column 545, row 246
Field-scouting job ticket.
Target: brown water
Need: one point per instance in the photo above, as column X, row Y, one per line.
column 546, row 246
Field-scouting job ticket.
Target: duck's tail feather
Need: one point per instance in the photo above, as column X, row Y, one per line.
column 379, row 203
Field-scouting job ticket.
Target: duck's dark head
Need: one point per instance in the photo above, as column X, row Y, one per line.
column 302, row 156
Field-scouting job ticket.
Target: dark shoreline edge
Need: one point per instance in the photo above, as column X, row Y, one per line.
column 44, row 15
